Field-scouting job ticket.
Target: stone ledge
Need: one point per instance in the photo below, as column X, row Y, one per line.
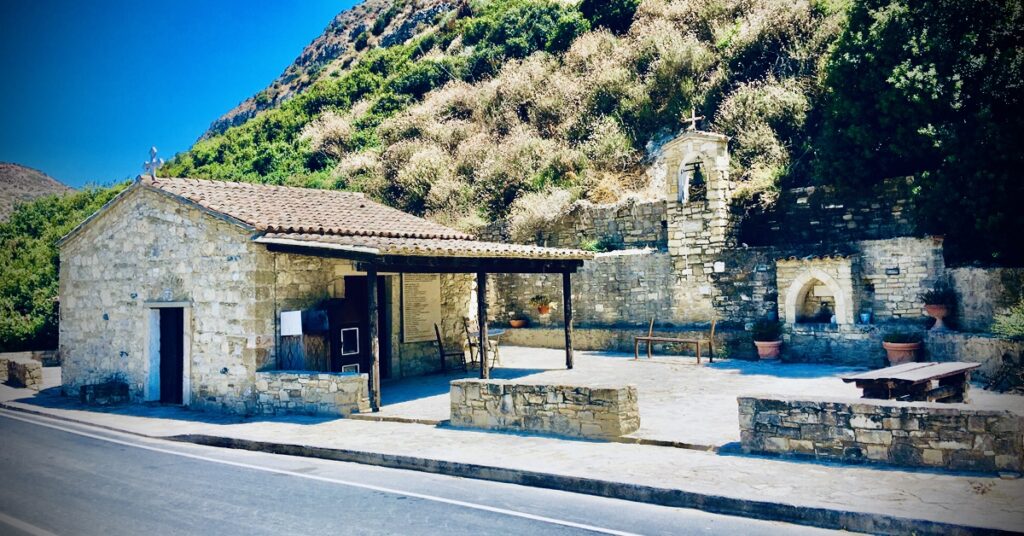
column 594, row 411
column 913, row 434
column 282, row 392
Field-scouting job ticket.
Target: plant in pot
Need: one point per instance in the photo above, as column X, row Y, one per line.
column 543, row 304
column 767, row 339
column 517, row 321
column 937, row 304
column 901, row 347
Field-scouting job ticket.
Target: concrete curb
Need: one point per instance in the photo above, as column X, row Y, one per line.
column 770, row 511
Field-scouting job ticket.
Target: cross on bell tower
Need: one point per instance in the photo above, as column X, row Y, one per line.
column 692, row 120
column 153, row 164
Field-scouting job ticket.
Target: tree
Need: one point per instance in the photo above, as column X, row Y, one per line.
column 29, row 265
column 616, row 15
column 932, row 88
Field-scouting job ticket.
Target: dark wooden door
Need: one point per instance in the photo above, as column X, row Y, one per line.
column 172, row 354
column 350, row 328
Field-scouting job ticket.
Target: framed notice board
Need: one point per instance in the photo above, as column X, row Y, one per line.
column 421, row 306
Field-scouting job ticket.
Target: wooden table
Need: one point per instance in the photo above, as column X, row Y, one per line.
column 917, row 382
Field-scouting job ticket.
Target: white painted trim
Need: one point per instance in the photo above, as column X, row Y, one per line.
column 843, row 315
column 316, row 245
column 151, row 343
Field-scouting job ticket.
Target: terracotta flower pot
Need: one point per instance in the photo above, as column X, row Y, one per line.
column 768, row 349
column 938, row 312
column 901, row 352
column 518, row 323
column 543, row 309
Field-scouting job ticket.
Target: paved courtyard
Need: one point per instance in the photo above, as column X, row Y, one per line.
column 679, row 400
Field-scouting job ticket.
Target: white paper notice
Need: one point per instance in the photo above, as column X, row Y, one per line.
column 291, row 323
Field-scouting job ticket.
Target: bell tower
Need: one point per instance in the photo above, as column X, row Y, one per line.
column 700, row 226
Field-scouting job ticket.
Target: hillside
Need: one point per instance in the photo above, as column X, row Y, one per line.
column 19, row 184
column 473, row 111
column 383, row 22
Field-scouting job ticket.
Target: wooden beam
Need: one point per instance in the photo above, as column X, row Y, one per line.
column 371, row 290
column 481, row 312
column 567, row 304
column 469, row 265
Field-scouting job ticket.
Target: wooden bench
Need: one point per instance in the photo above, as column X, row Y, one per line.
column 917, row 382
column 650, row 339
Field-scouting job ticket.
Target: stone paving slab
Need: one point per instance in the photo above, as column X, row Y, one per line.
column 680, row 401
column 981, row 501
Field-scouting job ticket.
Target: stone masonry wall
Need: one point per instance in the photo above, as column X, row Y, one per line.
column 949, row 436
column 630, row 224
column 592, row 411
column 146, row 248
column 616, row 288
column 311, row 393
column 982, row 293
column 21, row 372
column 822, row 215
column 899, row 270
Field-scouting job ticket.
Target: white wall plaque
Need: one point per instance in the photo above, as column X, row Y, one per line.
column 291, row 323
column 421, row 306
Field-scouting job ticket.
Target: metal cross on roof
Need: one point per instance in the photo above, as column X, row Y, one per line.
column 153, row 164
column 692, row 120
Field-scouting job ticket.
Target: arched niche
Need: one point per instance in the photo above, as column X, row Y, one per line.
column 692, row 179
column 801, row 295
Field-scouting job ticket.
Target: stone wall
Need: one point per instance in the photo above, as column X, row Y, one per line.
column 147, row 249
column 822, row 215
column 912, row 434
column 728, row 342
column 982, row 293
column 21, row 372
column 49, row 358
column 310, row 393
column 629, row 224
column 896, row 272
column 582, row 411
column 616, row 288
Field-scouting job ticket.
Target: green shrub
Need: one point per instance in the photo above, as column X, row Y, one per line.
column 765, row 330
column 1011, row 323
column 29, row 265
column 361, row 41
column 616, row 15
column 940, row 295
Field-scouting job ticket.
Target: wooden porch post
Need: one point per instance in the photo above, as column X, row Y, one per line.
column 481, row 313
column 567, row 304
column 371, row 290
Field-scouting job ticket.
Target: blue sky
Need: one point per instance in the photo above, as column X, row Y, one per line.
column 87, row 87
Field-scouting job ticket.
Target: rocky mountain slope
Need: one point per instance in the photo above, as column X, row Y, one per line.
column 382, row 22
column 19, row 184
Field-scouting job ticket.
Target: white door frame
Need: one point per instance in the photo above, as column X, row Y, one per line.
column 151, row 343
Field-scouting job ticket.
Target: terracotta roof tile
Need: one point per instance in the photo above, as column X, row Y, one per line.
column 420, row 247
column 286, row 209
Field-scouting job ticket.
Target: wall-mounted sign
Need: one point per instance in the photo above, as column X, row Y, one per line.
column 291, row 323
column 421, row 306
column 892, row 271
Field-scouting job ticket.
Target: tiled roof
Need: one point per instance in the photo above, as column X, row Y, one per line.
column 285, row 209
column 426, row 247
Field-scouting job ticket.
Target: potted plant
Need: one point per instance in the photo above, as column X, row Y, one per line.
column 517, row 321
column 937, row 304
column 542, row 303
column 766, row 338
column 901, row 347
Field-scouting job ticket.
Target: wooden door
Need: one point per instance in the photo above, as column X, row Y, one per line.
column 172, row 354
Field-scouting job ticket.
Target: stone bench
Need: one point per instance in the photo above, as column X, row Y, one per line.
column 912, row 434
column 311, row 393
column 581, row 411
column 21, row 372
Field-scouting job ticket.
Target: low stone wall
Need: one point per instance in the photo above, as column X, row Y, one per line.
column 591, row 411
column 728, row 342
column 49, row 358
column 912, row 434
column 982, row 293
column 21, row 372
column 310, row 393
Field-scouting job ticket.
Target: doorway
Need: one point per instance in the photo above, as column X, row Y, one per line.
column 172, row 354
column 349, row 333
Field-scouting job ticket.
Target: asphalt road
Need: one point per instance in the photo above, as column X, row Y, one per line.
column 61, row 478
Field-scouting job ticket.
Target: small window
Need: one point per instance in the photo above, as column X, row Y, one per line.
column 349, row 341
column 350, row 369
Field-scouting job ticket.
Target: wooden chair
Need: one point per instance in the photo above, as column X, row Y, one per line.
column 474, row 344
column 650, row 339
column 459, row 363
